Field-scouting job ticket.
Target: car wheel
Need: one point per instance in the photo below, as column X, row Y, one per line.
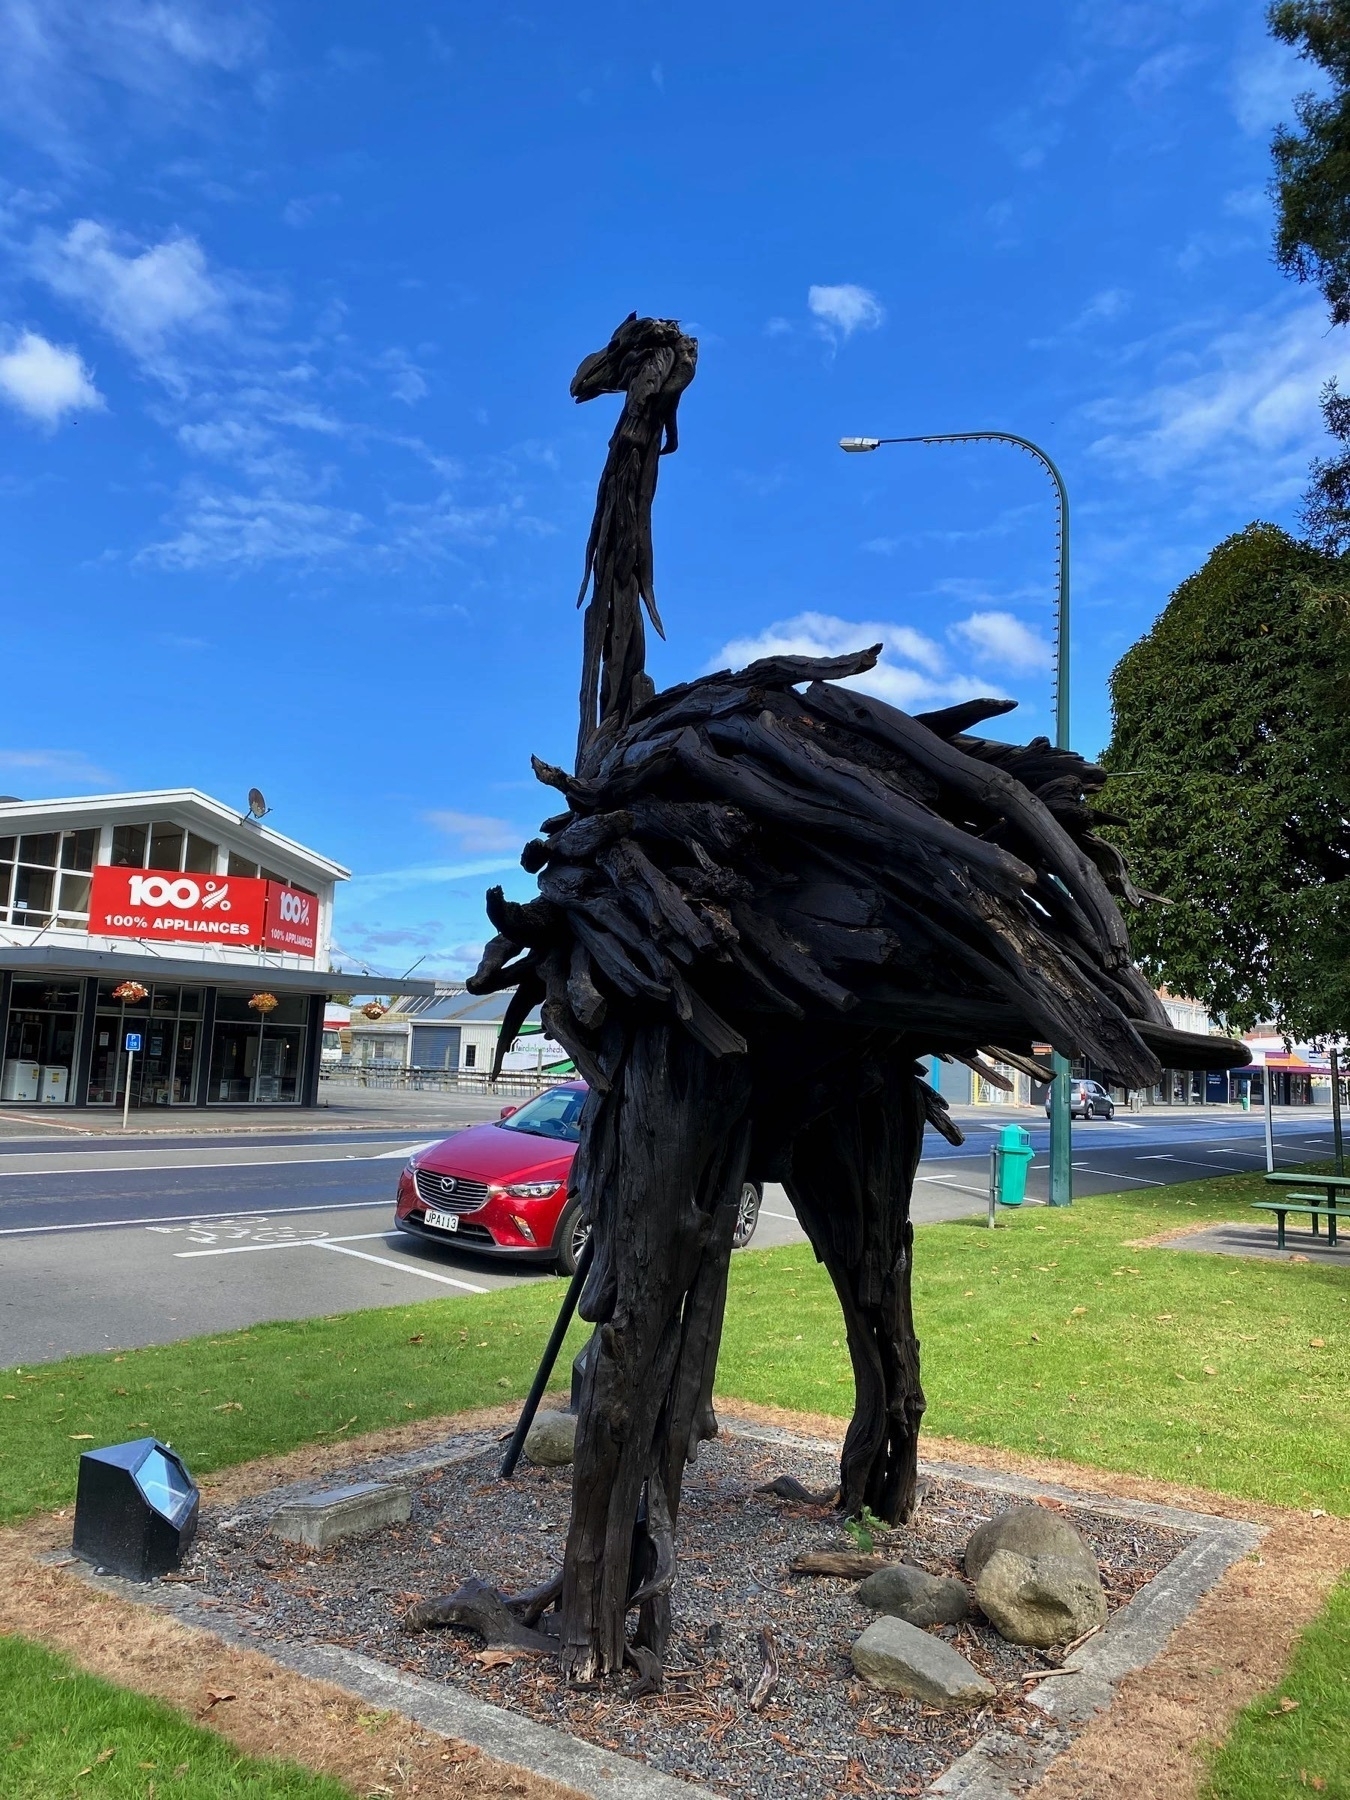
column 747, row 1214
column 569, row 1239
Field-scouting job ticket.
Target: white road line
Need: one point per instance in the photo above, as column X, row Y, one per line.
column 280, row 1162
column 412, row 1150
column 389, row 1263
column 285, row 1244
column 248, row 1212
column 764, row 1213
column 1120, row 1175
column 333, row 1244
column 950, row 1181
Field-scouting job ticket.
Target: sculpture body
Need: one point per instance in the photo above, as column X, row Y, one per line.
column 766, row 896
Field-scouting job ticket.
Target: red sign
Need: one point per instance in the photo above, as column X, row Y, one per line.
column 166, row 905
column 292, row 920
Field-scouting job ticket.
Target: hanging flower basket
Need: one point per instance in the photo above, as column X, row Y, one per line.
column 373, row 1010
column 264, row 1003
column 130, row 992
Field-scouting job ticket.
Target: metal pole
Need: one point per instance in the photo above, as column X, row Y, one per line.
column 1270, row 1121
column 1061, row 1120
column 126, row 1097
column 1336, row 1110
column 550, row 1356
column 993, row 1183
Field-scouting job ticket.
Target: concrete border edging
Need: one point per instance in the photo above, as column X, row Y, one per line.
column 999, row 1766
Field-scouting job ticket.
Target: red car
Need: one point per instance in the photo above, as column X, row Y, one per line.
column 501, row 1188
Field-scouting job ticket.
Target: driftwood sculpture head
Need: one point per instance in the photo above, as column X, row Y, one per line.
column 766, row 897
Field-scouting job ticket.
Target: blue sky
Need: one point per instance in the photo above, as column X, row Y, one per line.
column 292, row 490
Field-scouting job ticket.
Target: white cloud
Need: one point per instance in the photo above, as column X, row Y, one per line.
column 64, row 59
column 389, row 881
column 244, row 531
column 1238, row 411
column 55, row 769
column 1264, row 81
column 1001, row 638
column 912, row 672
column 142, row 297
column 476, row 831
column 846, row 308
column 46, row 381
column 1159, row 72
column 406, row 381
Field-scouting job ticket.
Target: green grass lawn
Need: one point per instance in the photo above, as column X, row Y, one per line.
column 1048, row 1335
column 63, row 1732
column 1276, row 1747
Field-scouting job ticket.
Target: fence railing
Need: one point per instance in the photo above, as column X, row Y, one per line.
column 511, row 1082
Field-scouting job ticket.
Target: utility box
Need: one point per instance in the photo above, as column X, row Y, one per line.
column 135, row 1509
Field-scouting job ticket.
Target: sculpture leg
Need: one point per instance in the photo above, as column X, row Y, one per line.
column 662, row 1159
column 852, row 1173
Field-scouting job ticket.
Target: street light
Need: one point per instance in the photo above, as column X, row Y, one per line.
column 1061, row 1120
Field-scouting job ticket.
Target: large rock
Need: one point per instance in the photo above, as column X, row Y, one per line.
column 1040, row 1600
column 911, row 1594
column 1030, row 1531
column 904, row 1660
column 552, row 1439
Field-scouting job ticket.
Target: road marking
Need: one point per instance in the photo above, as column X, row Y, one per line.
column 355, row 1237
column 280, row 1162
column 412, row 1150
column 951, row 1181
column 340, row 1245
column 251, row 1212
column 764, row 1213
column 1120, row 1175
column 389, row 1263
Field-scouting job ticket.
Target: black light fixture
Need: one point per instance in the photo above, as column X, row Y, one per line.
column 135, row 1509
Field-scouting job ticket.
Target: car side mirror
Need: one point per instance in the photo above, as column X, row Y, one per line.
column 506, row 1112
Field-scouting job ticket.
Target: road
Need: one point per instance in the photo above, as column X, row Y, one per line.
column 110, row 1242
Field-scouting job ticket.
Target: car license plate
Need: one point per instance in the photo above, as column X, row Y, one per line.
column 440, row 1221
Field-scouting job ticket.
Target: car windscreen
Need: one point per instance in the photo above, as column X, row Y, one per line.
column 555, row 1114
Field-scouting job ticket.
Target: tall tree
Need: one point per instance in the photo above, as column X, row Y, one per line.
column 1311, row 188
column 1232, row 788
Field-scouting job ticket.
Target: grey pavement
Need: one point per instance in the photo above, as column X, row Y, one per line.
column 110, row 1242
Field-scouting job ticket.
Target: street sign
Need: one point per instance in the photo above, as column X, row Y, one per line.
column 133, row 1040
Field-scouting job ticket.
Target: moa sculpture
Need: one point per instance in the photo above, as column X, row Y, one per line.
column 764, row 897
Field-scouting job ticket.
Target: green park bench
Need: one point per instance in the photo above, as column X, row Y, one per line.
column 1332, row 1204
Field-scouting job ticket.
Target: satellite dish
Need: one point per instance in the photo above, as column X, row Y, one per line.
column 257, row 806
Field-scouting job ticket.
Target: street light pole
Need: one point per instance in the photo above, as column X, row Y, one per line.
column 1061, row 1120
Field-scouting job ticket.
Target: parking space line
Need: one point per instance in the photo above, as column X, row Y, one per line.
column 764, row 1213
column 1120, row 1175
column 247, row 1212
column 286, row 1244
column 389, row 1263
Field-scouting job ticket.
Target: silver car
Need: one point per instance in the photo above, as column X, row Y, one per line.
column 1087, row 1100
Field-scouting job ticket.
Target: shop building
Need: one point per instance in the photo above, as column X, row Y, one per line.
column 158, row 943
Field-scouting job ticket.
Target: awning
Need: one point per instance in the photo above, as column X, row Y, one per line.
column 53, row 959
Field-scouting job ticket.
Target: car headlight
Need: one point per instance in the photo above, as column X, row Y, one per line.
column 530, row 1190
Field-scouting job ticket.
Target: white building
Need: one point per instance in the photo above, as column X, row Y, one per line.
column 158, row 940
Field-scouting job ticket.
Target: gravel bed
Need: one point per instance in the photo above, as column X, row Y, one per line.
column 824, row 1733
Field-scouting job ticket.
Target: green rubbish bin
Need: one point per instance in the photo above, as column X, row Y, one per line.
column 1014, row 1159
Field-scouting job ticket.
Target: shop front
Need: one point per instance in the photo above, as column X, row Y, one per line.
column 156, row 950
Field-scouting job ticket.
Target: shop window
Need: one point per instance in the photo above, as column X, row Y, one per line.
column 164, row 1072
column 200, row 857
column 128, row 846
column 240, row 865
column 32, row 896
column 166, row 846
column 258, row 1064
column 40, row 1040
column 77, row 850
column 73, row 907
column 7, row 848
column 39, row 848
